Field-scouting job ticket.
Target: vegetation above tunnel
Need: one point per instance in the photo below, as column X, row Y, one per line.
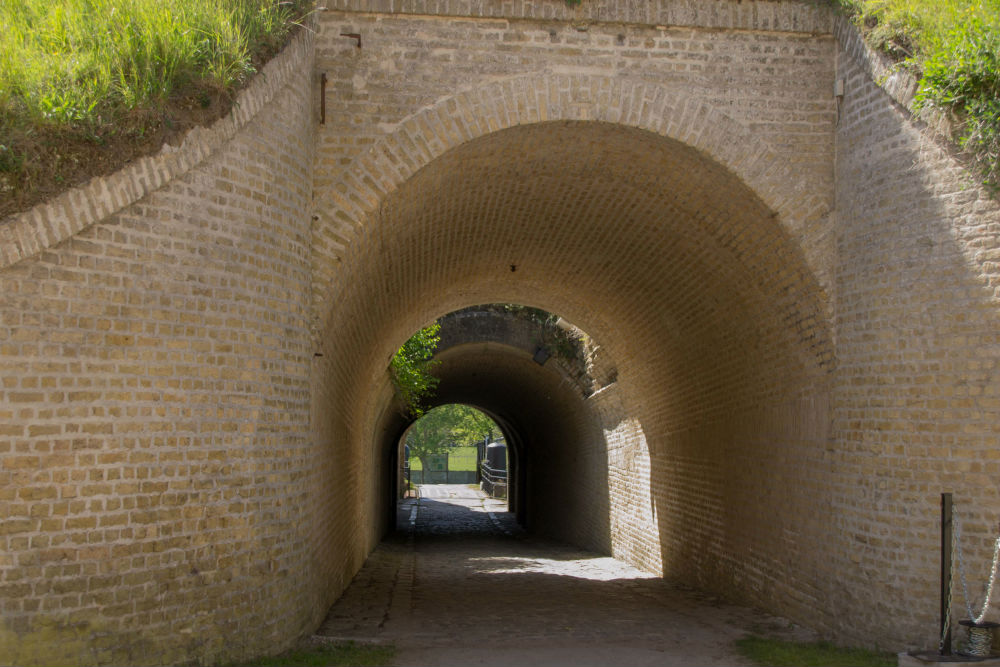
column 953, row 48
column 86, row 85
column 411, row 366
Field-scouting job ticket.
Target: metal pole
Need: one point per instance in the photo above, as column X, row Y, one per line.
column 946, row 528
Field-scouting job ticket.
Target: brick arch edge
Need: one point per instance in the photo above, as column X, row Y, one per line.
column 342, row 213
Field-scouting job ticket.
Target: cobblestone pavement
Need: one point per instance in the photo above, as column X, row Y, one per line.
column 461, row 584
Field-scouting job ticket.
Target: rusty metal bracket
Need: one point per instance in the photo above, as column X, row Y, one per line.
column 322, row 98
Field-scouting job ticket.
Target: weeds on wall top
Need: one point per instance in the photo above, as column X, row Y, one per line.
column 953, row 48
column 84, row 82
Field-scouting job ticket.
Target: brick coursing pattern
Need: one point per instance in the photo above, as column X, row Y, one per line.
column 155, row 487
column 916, row 402
column 798, row 17
column 798, row 295
column 468, row 140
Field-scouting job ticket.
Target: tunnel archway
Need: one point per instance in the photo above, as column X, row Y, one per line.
column 720, row 400
column 532, row 373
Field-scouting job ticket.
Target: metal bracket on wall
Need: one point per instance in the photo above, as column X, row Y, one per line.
column 322, row 98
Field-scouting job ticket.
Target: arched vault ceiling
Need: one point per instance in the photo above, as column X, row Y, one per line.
column 659, row 252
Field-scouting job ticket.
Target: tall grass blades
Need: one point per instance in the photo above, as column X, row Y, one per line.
column 953, row 46
column 963, row 75
column 86, row 84
column 80, row 61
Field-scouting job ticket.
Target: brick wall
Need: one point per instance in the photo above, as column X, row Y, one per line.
column 915, row 407
column 791, row 298
column 706, row 305
column 156, row 488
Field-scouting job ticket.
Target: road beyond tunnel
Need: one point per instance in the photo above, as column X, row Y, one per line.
column 459, row 583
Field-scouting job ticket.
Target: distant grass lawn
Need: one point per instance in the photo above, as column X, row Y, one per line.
column 459, row 459
column 462, row 458
column 778, row 653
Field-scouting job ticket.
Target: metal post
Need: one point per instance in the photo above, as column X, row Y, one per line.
column 946, row 528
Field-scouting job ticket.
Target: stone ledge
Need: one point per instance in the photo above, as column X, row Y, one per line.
column 772, row 16
column 898, row 84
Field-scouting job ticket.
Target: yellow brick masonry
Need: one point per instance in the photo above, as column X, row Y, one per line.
column 154, row 485
column 792, row 298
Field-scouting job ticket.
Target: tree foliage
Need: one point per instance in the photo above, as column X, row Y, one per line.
column 411, row 368
column 449, row 426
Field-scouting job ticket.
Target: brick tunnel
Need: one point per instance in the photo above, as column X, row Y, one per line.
column 787, row 284
column 532, row 380
column 689, row 454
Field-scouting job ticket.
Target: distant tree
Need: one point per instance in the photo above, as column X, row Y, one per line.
column 448, row 426
column 473, row 426
column 411, row 368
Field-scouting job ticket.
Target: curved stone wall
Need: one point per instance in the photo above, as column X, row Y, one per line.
column 916, row 403
column 156, row 492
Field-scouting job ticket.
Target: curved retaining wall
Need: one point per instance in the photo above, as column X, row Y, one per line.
column 918, row 396
column 154, row 401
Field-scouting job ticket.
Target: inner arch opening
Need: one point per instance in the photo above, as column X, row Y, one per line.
column 530, row 373
column 457, row 454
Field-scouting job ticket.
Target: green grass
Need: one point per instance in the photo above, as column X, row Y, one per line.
column 459, row 459
column 333, row 655
column 953, row 47
column 72, row 61
column 779, row 653
column 79, row 71
column 462, row 458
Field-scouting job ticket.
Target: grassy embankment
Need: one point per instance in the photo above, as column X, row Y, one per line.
column 347, row 654
column 86, row 85
column 953, row 48
column 779, row 653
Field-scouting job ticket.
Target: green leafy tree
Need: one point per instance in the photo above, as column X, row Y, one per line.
column 448, row 426
column 411, row 368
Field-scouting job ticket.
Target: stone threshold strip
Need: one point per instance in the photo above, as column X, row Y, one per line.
column 26, row 234
column 770, row 15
